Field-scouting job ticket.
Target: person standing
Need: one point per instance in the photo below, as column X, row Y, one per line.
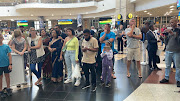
column 5, row 66
column 144, row 31
column 36, row 52
column 105, row 36
column 152, row 47
column 47, row 65
column 89, row 48
column 55, row 46
column 71, row 54
column 172, row 41
column 119, row 36
column 133, row 35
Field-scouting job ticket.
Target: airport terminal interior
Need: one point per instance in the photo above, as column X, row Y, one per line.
column 90, row 50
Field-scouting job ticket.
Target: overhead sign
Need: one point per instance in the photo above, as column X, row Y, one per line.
column 130, row 16
column 119, row 17
column 22, row 23
column 65, row 22
column 105, row 20
column 178, row 4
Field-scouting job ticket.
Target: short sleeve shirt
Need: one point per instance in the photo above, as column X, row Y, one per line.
column 89, row 56
column 107, row 37
column 4, row 59
column 132, row 42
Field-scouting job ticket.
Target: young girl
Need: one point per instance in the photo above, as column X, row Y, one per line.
column 107, row 64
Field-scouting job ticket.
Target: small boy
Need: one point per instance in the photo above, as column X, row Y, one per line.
column 107, row 64
column 5, row 66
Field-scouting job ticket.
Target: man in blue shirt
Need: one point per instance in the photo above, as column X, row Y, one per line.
column 5, row 66
column 105, row 36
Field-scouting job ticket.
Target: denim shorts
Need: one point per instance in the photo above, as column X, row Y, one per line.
column 4, row 69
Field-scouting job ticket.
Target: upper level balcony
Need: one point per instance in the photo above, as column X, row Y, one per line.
column 16, row 2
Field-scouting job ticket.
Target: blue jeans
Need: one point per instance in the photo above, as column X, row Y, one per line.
column 70, row 60
column 169, row 58
column 33, row 69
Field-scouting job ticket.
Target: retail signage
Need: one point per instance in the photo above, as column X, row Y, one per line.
column 79, row 20
column 119, row 17
column 130, row 16
column 22, row 23
column 65, row 22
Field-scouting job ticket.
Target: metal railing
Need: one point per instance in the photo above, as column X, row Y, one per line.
column 15, row 2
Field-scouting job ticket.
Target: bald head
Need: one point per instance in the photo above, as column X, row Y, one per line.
column 173, row 23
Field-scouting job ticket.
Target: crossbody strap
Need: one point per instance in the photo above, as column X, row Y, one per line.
column 69, row 41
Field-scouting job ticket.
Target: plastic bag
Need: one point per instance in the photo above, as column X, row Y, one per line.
column 76, row 72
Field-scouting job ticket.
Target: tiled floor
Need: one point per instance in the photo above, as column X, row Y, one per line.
column 121, row 87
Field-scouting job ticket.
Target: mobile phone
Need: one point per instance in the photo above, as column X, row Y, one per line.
column 134, row 33
column 169, row 27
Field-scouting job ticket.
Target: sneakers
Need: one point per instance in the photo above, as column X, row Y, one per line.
column 2, row 95
column 93, row 89
column 77, row 83
column 87, row 85
column 178, row 83
column 102, row 83
column 68, row 81
column 8, row 91
column 143, row 63
column 108, row 85
column 164, row 81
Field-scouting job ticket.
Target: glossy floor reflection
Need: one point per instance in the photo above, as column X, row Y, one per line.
column 121, row 88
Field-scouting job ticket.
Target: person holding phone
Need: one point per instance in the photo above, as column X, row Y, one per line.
column 5, row 66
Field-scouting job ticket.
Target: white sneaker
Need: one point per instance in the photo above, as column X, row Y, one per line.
column 77, row 83
column 143, row 63
column 68, row 81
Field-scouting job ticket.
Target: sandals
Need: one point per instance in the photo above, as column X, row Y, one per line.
column 38, row 82
column 129, row 75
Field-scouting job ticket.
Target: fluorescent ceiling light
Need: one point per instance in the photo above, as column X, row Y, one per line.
column 145, row 11
column 171, row 6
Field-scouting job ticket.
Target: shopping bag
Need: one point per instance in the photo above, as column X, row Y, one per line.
column 76, row 72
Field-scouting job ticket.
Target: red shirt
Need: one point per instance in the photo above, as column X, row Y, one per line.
column 162, row 30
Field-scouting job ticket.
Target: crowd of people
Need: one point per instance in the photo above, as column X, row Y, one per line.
column 93, row 51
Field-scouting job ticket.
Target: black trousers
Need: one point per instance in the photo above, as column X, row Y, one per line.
column 80, row 57
column 120, row 44
column 86, row 68
column 152, row 58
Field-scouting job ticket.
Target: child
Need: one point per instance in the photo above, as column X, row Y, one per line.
column 5, row 66
column 107, row 64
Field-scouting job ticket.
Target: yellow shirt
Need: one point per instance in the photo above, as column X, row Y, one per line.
column 73, row 45
column 89, row 56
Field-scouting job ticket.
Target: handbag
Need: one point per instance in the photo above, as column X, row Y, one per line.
column 65, row 47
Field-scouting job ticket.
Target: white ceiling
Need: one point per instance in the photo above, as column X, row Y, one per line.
column 160, row 11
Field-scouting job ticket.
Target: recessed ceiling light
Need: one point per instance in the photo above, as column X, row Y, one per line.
column 145, row 11
column 52, row 14
column 12, row 19
column 171, row 6
column 70, row 14
column 32, row 15
column 47, row 19
column 0, row 20
column 86, row 12
column 171, row 9
column 148, row 13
